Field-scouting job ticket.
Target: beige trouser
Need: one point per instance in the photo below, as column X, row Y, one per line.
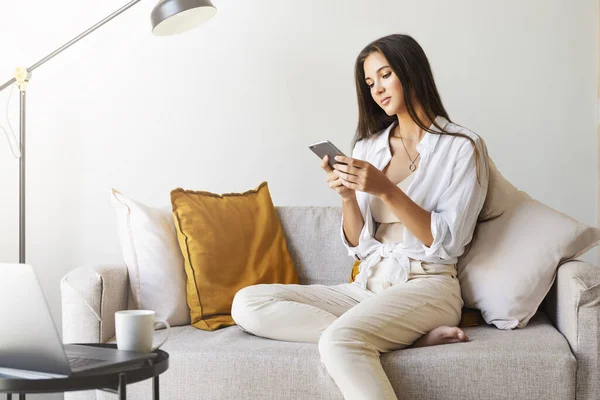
column 353, row 326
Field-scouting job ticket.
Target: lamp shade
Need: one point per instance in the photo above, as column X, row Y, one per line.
column 170, row 17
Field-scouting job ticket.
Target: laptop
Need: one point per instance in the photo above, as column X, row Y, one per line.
column 30, row 346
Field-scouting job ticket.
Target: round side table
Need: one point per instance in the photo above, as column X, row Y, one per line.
column 114, row 381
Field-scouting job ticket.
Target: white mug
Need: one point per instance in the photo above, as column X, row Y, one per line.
column 134, row 329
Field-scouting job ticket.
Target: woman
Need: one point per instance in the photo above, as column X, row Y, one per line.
column 411, row 194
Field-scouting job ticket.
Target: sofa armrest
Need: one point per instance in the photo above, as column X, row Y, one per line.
column 573, row 305
column 90, row 297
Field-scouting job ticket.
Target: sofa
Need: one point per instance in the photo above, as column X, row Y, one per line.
column 556, row 356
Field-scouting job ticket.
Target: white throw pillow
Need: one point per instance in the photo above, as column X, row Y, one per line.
column 512, row 261
column 153, row 258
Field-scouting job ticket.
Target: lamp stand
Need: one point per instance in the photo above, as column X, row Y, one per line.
column 23, row 97
column 168, row 17
column 22, row 77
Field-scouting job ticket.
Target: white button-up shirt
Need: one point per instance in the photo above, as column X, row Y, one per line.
column 445, row 184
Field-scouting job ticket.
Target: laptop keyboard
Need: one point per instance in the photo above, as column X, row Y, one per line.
column 79, row 362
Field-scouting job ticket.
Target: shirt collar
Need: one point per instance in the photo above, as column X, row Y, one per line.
column 427, row 143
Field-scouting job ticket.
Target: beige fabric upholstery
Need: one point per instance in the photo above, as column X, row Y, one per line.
column 533, row 362
column 90, row 298
column 574, row 307
column 513, row 259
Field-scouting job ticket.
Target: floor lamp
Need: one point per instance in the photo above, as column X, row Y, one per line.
column 169, row 17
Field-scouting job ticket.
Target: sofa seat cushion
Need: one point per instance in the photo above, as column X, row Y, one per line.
column 533, row 362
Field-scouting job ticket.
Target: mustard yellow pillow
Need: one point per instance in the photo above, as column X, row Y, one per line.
column 228, row 242
column 355, row 271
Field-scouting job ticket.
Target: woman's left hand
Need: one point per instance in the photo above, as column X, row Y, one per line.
column 362, row 176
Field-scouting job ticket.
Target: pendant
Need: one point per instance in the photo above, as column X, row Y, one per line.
column 412, row 167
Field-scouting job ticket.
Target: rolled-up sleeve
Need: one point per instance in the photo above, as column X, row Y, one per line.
column 454, row 218
column 354, row 252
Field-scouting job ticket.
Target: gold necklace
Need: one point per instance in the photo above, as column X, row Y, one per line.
column 412, row 167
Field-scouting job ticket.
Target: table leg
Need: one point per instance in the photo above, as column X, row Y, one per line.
column 21, row 396
column 156, row 391
column 122, row 387
column 8, row 396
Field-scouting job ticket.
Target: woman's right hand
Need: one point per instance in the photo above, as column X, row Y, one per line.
column 335, row 181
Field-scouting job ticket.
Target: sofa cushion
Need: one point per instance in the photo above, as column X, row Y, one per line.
column 228, row 242
column 312, row 235
column 153, row 258
column 512, row 260
column 534, row 362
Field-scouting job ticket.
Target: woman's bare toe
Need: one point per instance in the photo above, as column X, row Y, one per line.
column 442, row 335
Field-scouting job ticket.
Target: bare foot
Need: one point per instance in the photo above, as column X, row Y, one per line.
column 442, row 335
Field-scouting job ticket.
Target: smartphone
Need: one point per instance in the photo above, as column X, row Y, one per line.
column 326, row 148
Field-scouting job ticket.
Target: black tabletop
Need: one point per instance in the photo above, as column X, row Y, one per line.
column 92, row 380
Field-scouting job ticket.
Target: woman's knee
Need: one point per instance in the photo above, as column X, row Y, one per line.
column 242, row 299
column 245, row 303
column 338, row 341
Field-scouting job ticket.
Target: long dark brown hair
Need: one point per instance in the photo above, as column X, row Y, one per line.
column 409, row 62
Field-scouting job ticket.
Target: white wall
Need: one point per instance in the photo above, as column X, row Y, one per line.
column 238, row 100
